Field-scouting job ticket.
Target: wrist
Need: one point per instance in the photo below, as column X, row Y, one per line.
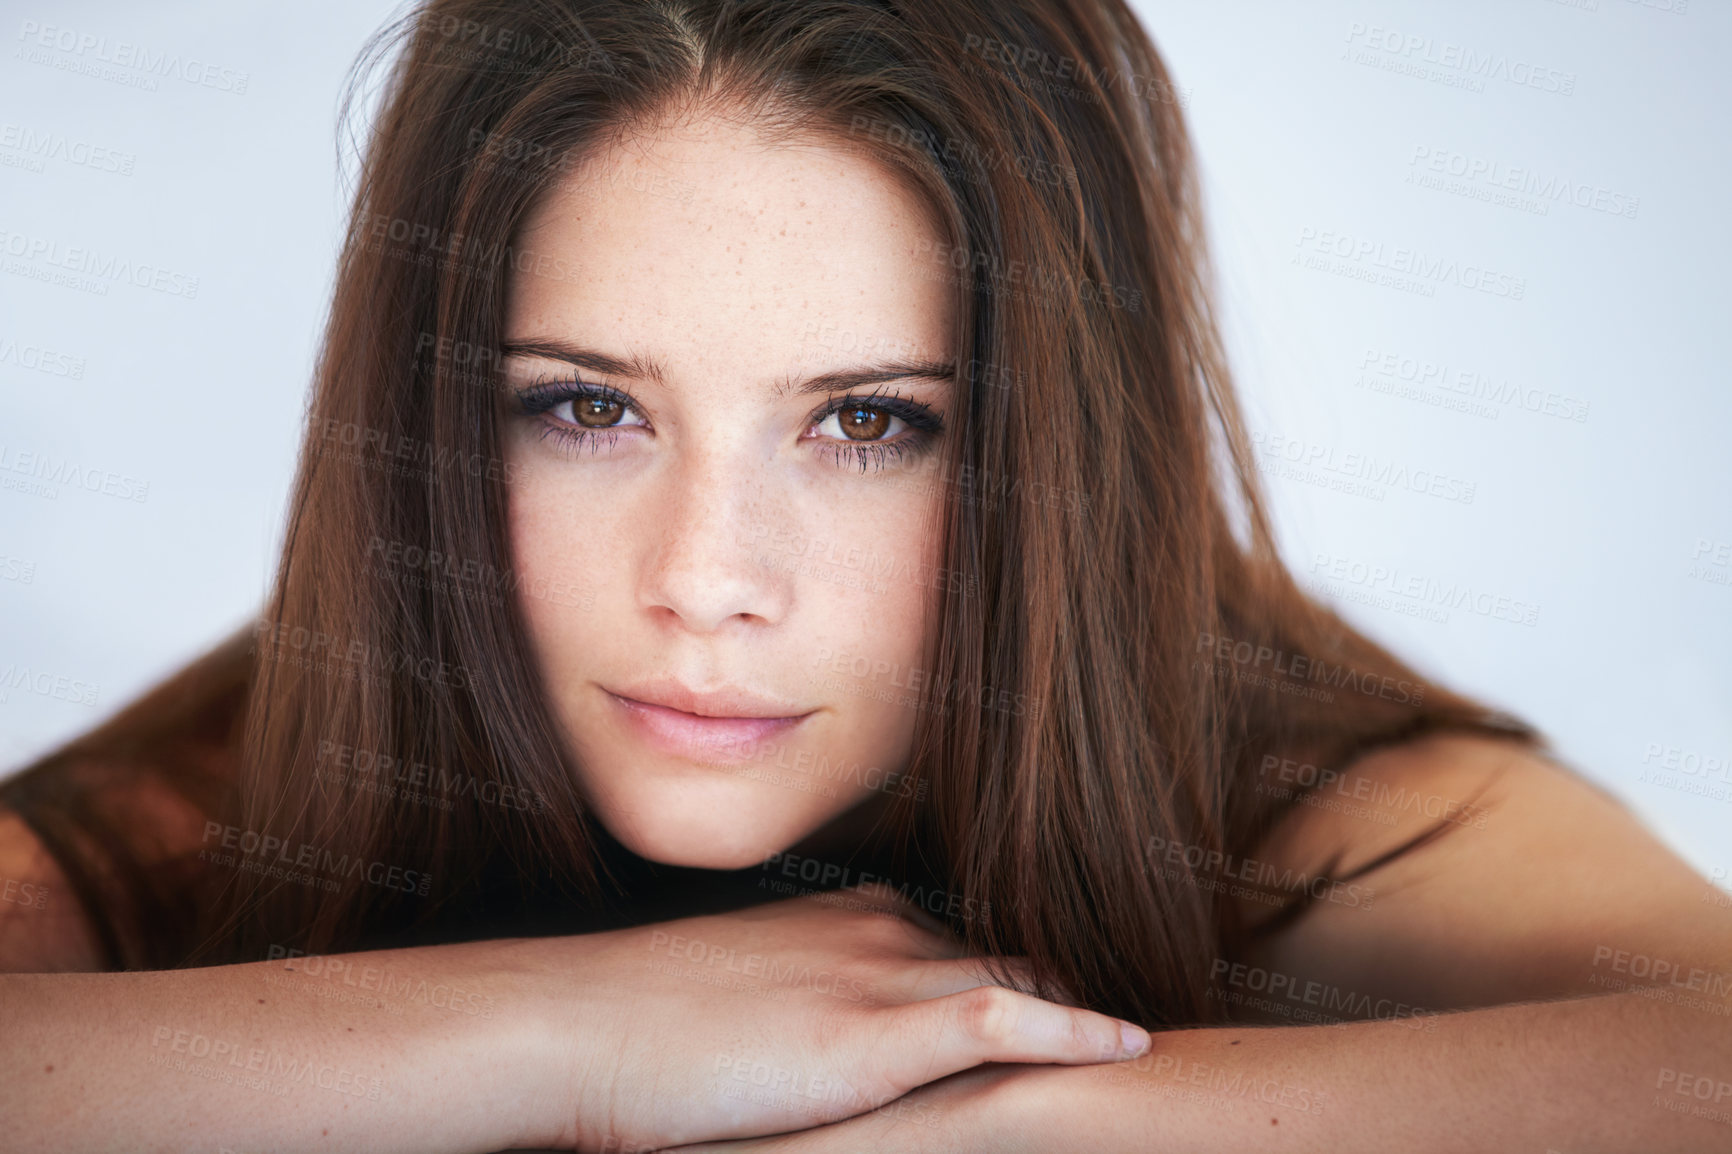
column 1037, row 1109
column 534, row 1035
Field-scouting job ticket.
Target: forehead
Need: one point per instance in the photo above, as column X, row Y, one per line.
column 712, row 240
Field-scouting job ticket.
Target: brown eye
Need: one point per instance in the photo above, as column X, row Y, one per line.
column 597, row 412
column 862, row 424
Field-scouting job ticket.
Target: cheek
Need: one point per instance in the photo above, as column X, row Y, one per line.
column 565, row 557
column 868, row 596
column 872, row 584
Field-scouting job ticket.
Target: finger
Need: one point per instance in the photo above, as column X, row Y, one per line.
column 936, row 979
column 935, row 1038
column 953, row 976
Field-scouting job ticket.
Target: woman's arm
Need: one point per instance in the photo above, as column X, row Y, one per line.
column 809, row 1010
column 1605, row 1075
column 1611, row 958
column 269, row 1057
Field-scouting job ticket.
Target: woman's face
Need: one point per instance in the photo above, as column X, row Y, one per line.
column 726, row 379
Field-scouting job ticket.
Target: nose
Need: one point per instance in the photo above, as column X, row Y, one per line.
column 705, row 567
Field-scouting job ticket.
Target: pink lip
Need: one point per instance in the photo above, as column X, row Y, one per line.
column 724, row 727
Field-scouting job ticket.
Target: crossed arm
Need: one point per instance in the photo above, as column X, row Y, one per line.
column 1547, row 977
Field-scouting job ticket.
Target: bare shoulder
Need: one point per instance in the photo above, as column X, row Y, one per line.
column 43, row 926
column 1490, row 872
column 1356, row 814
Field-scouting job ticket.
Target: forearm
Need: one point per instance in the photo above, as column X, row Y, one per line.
column 1584, row 1075
column 414, row 1050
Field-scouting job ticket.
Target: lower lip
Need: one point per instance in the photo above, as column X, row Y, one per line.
column 707, row 740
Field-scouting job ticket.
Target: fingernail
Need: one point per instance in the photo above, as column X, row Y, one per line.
column 1134, row 1041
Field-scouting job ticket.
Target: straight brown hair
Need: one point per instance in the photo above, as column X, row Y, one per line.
column 1120, row 572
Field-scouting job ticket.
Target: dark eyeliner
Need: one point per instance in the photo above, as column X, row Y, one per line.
column 925, row 427
column 917, row 415
column 535, row 402
column 539, row 398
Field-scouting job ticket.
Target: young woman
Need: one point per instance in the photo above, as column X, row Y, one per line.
column 777, row 647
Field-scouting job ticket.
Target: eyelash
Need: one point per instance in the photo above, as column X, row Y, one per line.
column 538, row 400
column 924, row 425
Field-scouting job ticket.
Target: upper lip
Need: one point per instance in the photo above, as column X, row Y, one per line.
column 724, row 702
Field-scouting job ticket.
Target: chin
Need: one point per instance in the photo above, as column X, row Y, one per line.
column 713, row 839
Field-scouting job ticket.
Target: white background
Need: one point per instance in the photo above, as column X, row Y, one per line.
column 1304, row 128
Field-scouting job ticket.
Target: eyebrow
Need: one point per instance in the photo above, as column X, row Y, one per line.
column 836, row 381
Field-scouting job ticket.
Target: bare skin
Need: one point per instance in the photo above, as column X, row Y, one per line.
column 715, row 460
column 1533, row 1050
column 1579, row 979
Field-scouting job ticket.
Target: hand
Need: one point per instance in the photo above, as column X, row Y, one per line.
column 783, row 1017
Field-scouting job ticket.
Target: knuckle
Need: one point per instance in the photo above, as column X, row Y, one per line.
column 1081, row 1036
column 987, row 1013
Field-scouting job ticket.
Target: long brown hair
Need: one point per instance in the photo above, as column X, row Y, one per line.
column 1120, row 572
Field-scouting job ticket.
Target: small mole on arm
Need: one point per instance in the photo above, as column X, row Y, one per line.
column 48, row 1069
